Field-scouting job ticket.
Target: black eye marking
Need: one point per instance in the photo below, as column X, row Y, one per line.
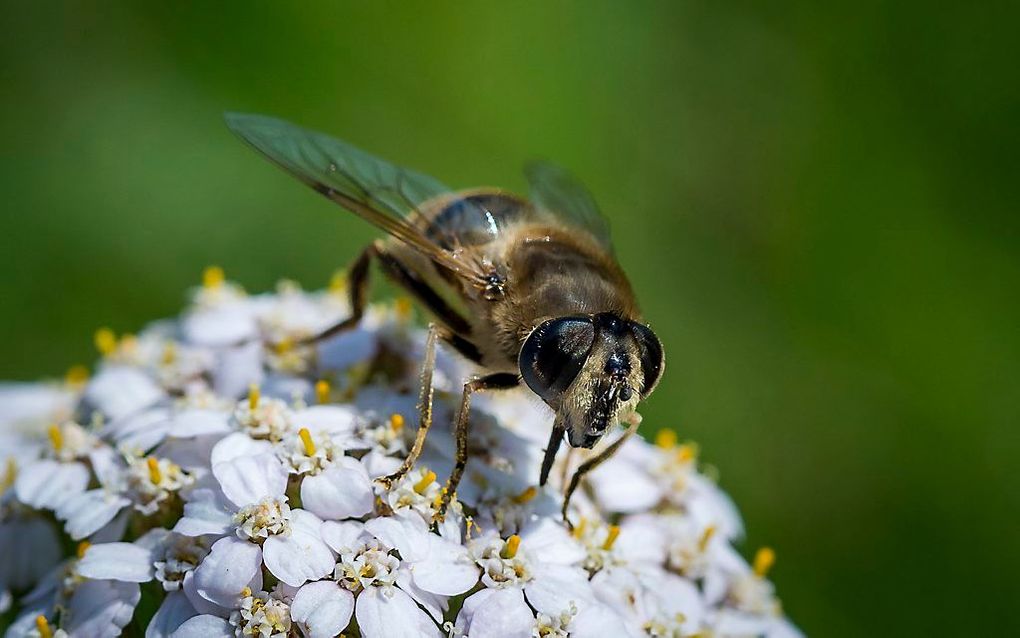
column 652, row 358
column 554, row 354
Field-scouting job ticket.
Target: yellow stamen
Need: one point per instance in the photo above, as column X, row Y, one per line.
column 154, row 474
column 686, row 452
column 706, row 536
column 246, row 592
column 397, row 422
column 322, row 391
column 82, row 548
column 510, row 548
column 338, row 282
column 10, row 474
column 169, row 353
column 253, row 396
column 283, row 346
column 427, row 478
column 403, row 307
column 43, row 627
column 764, row 559
column 614, row 533
column 526, row 495
column 213, row 277
column 105, row 340
column 666, row 438
column 56, row 437
column 76, row 375
column 579, row 530
column 306, row 439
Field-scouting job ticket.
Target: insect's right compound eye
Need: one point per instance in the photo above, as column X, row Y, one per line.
column 554, row 354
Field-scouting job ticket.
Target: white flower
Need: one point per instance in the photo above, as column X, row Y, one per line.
column 333, row 486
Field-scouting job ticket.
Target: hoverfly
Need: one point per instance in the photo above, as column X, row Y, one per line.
column 528, row 289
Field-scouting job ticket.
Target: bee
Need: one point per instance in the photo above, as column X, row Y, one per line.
column 528, row 289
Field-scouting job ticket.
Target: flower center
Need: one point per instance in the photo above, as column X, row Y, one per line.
column 153, row 480
column 367, row 566
column 69, row 441
column 263, row 418
column 182, row 554
column 663, row 627
column 309, row 455
column 554, row 626
column 261, row 615
column 260, row 520
column 502, row 564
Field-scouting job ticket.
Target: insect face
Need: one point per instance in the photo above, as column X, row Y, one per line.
column 592, row 370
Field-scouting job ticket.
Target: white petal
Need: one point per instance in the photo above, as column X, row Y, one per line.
column 117, row 561
column 174, row 610
column 29, row 549
column 390, row 613
column 448, row 570
column 323, row 608
column 118, row 391
column 204, row 626
column 497, row 613
column 595, row 621
column 237, row 369
column 141, row 431
column 547, row 541
column 225, row 325
column 46, row 484
column 203, row 606
column 343, row 490
column 555, row 587
column 334, row 419
column 434, row 604
column 298, row 557
column 341, row 536
column 206, row 513
column 247, row 480
column 196, row 422
column 238, row 444
column 101, row 607
column 231, row 564
column 409, row 535
column 89, row 511
column 621, row 486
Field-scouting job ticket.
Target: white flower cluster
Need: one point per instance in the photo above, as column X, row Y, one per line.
column 214, row 477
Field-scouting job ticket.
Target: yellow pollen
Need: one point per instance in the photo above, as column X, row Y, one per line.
column 686, row 452
column 246, row 592
column 666, row 438
column 581, row 525
column 213, row 277
column 706, row 536
column 397, row 422
column 427, row 479
column 614, row 533
column 338, row 282
column 10, row 473
column 105, row 340
column 306, row 439
column 76, row 375
column 526, row 495
column 438, row 500
column 510, row 548
column 283, row 346
column 253, row 396
column 403, row 307
column 764, row 559
column 56, row 437
column 154, row 474
column 43, row 627
column 82, row 548
column 322, row 391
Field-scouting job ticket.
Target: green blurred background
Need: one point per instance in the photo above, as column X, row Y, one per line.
column 817, row 206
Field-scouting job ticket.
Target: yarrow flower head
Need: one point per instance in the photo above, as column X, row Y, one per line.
column 232, row 470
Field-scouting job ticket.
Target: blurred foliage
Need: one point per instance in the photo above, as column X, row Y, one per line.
column 816, row 203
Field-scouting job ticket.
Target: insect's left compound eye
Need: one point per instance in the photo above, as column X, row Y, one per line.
column 554, row 354
column 653, row 359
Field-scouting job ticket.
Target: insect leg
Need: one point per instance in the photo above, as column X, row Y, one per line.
column 555, row 439
column 496, row 381
column 428, row 365
column 357, row 275
column 416, row 285
column 590, row 465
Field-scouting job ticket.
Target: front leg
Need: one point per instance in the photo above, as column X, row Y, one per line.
column 496, row 381
column 590, row 465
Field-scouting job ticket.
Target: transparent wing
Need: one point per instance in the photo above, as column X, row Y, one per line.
column 554, row 190
column 368, row 186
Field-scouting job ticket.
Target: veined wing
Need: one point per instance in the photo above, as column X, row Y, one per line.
column 368, row 186
column 555, row 191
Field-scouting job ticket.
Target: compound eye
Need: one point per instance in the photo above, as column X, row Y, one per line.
column 653, row 360
column 554, row 354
